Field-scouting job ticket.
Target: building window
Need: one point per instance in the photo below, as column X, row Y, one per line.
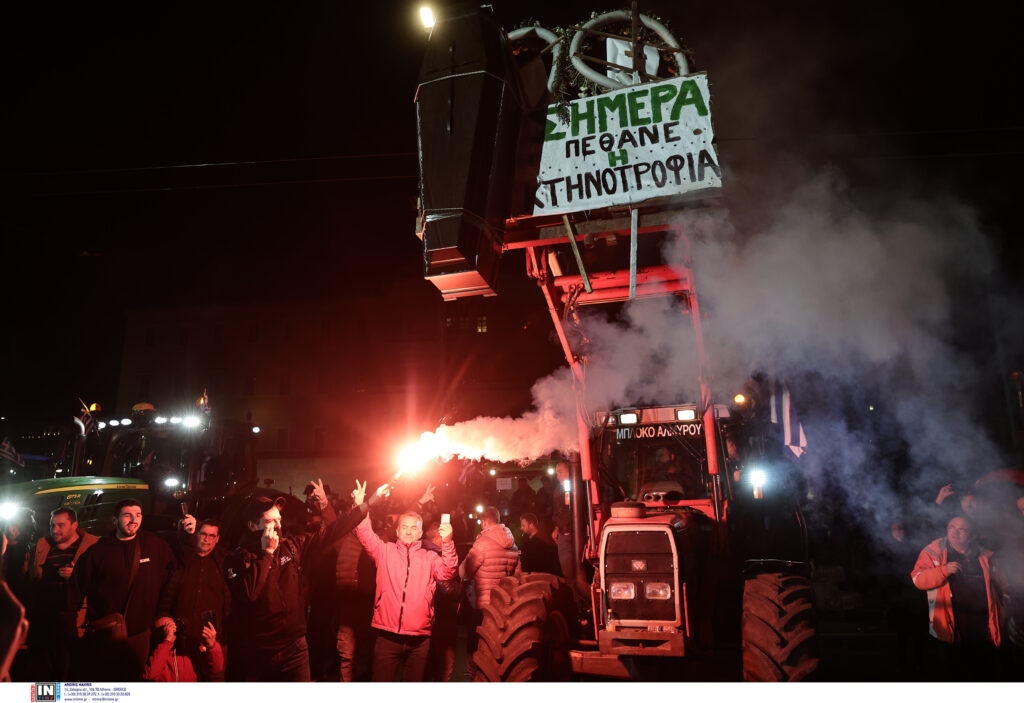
column 286, row 384
column 463, row 322
column 282, row 440
column 150, row 337
column 448, row 322
column 481, row 324
column 319, row 439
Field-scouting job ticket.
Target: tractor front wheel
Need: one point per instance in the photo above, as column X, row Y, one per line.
column 526, row 631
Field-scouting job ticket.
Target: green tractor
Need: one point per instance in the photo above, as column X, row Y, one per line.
column 168, row 463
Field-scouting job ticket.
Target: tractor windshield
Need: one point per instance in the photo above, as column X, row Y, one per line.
column 655, row 457
column 149, row 454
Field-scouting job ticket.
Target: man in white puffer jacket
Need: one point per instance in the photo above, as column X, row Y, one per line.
column 493, row 556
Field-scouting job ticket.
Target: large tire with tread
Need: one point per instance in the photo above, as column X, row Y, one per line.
column 526, row 631
column 780, row 641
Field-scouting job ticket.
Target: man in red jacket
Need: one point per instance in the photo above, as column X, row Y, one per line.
column 407, row 575
column 966, row 593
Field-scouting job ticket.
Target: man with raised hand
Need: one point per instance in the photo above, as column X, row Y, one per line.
column 407, row 575
column 267, row 632
column 199, row 595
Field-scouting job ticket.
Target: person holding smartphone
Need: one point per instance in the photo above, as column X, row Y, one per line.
column 407, row 576
column 199, row 594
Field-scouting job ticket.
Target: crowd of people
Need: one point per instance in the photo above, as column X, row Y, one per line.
column 377, row 588
column 371, row 590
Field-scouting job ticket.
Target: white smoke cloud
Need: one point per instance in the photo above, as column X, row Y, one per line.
column 549, row 427
column 856, row 292
column 851, row 290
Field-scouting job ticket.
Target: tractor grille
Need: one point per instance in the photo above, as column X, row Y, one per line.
column 641, row 558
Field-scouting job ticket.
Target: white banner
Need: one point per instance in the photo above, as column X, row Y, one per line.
column 627, row 146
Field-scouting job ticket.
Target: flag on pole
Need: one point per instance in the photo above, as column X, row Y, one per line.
column 7, row 451
column 469, row 467
column 783, row 413
column 88, row 422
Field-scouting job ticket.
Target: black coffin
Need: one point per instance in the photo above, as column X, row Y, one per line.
column 467, row 114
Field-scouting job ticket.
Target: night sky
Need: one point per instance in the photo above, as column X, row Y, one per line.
column 230, row 152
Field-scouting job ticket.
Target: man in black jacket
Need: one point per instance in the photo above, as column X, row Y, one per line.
column 267, row 633
column 539, row 553
column 198, row 593
column 103, row 577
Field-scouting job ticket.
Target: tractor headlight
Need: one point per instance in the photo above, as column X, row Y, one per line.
column 758, row 478
column 8, row 510
column 622, row 590
column 658, row 591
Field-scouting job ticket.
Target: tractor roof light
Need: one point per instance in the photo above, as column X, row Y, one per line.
column 686, row 414
column 190, row 421
column 255, row 429
column 115, row 423
column 629, row 418
column 160, row 420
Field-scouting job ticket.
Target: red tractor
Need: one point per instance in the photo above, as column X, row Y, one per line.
column 688, row 540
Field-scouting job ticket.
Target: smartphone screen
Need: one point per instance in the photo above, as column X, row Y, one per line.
column 446, row 518
column 210, row 618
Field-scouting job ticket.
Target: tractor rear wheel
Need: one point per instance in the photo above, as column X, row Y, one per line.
column 780, row 641
column 526, row 631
